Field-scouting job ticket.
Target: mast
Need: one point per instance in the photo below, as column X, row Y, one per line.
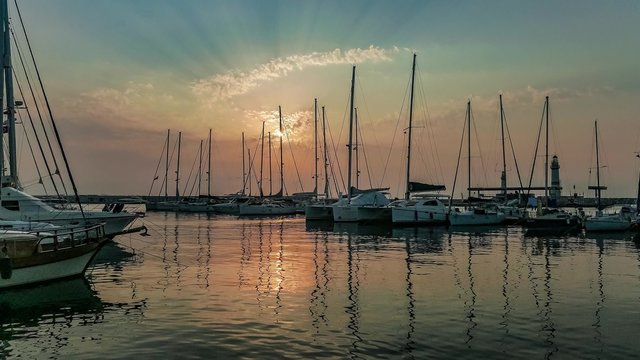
column 326, row 162
column 249, row 171
column 10, row 111
column 166, row 168
column 200, row 169
column 546, row 155
column 315, row 140
column 244, row 174
column 353, row 80
column 4, row 16
column 598, row 189
column 261, row 159
column 469, row 151
column 281, row 158
column 270, row 174
column 355, row 148
column 407, row 194
column 178, row 166
column 503, row 177
column 209, row 168
column 638, row 195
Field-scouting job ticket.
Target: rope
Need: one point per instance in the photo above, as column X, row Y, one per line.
column 155, row 176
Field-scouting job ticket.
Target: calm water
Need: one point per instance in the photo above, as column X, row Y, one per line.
column 205, row 287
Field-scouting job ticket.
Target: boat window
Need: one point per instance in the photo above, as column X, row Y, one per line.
column 431, row 203
column 410, row 203
column 12, row 205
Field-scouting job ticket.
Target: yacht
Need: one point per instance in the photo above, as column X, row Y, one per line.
column 419, row 211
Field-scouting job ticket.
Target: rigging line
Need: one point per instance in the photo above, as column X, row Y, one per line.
column 364, row 152
column 197, row 175
column 535, row 153
column 32, row 154
column 475, row 130
column 155, row 176
column 295, row 164
column 35, row 101
column 395, row 131
column 251, row 160
column 175, row 145
column 27, row 137
column 24, row 68
column 431, row 134
column 369, row 116
column 186, row 184
column 513, row 151
column 455, row 177
column 335, row 154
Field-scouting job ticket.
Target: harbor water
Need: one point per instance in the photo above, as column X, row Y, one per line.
column 225, row 287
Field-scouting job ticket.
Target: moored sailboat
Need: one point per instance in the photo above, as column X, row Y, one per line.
column 17, row 205
column 619, row 221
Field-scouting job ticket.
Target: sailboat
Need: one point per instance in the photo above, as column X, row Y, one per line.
column 473, row 215
column 424, row 209
column 361, row 205
column 28, row 258
column 619, row 221
column 272, row 205
column 322, row 209
column 548, row 218
column 16, row 204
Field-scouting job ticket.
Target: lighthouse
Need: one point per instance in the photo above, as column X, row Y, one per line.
column 554, row 192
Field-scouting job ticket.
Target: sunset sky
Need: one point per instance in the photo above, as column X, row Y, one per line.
column 120, row 73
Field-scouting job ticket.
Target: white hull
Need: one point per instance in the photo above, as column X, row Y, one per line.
column 114, row 225
column 607, row 223
column 47, row 272
column 470, row 218
column 400, row 215
column 352, row 213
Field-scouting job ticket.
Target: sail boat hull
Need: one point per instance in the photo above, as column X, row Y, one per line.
column 612, row 222
column 361, row 214
column 318, row 212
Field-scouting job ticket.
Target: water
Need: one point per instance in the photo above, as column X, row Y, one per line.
column 205, row 287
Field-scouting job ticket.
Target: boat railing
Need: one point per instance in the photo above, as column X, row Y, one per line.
column 68, row 238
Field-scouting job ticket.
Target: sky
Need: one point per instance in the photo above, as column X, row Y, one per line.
column 120, row 73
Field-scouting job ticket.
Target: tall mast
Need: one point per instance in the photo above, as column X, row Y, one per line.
column 353, row 80
column 469, row 150
column 326, row 162
column 166, row 168
column 270, row 174
column 10, row 111
column 249, row 171
column 281, row 158
column 4, row 16
column 261, row 158
column 598, row 190
column 638, row 195
column 503, row 177
column 200, row 169
column 407, row 194
column 355, row 148
column 315, row 140
column 244, row 174
column 209, row 168
column 546, row 156
column 178, row 166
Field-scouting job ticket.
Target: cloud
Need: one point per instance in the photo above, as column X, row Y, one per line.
column 298, row 125
column 237, row 82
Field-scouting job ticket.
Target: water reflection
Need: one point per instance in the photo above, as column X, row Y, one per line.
column 47, row 313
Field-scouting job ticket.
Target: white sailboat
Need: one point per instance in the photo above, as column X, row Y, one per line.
column 369, row 205
column 619, row 221
column 425, row 209
column 320, row 209
column 548, row 218
column 472, row 215
column 17, row 205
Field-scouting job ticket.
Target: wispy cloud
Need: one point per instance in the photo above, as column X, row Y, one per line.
column 237, row 82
